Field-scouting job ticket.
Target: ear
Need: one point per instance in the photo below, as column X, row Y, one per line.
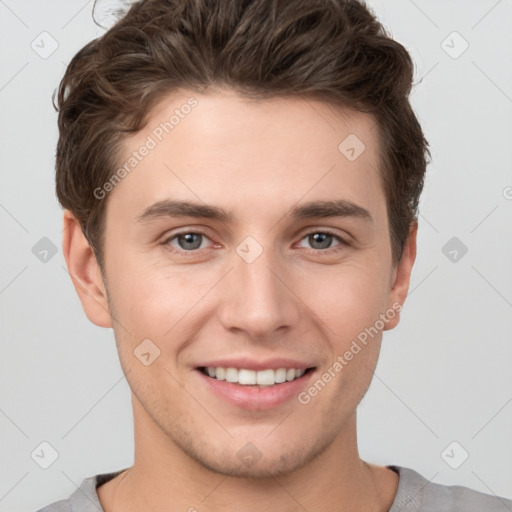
column 85, row 272
column 401, row 277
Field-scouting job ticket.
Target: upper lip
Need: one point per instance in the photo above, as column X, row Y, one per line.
column 252, row 364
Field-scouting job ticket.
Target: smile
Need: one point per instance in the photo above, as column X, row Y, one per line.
column 261, row 378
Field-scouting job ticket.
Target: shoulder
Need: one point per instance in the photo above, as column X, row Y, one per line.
column 85, row 498
column 417, row 494
column 58, row 506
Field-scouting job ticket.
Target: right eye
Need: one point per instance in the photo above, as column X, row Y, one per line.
column 187, row 241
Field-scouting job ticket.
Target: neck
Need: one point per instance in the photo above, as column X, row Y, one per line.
column 164, row 478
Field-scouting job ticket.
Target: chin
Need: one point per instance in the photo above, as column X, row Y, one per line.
column 261, row 459
column 260, row 469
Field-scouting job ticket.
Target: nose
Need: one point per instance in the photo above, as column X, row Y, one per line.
column 258, row 297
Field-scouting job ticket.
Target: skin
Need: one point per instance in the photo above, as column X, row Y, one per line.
column 257, row 160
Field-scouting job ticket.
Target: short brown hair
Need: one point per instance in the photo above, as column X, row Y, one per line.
column 335, row 50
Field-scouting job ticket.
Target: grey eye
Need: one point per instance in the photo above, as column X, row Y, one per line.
column 189, row 241
column 323, row 240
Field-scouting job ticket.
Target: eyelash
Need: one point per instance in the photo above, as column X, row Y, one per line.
column 342, row 242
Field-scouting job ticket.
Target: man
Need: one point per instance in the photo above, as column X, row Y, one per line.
column 241, row 183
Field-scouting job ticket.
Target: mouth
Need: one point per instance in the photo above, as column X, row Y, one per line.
column 255, row 385
column 255, row 379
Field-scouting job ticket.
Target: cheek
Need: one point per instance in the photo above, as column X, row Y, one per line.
column 348, row 306
column 156, row 301
column 346, row 298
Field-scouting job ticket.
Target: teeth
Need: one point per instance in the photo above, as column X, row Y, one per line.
column 251, row 377
column 280, row 375
column 247, row 377
column 265, row 377
column 231, row 375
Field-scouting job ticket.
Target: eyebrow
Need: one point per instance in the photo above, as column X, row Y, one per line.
column 314, row 209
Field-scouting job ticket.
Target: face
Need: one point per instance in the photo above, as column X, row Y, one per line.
column 280, row 259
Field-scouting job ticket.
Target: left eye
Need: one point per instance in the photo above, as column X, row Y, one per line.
column 322, row 239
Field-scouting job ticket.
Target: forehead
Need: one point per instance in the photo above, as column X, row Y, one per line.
column 222, row 148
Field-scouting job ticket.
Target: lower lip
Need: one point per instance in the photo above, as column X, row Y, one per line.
column 253, row 397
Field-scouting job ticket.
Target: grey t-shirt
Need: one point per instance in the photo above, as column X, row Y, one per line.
column 414, row 494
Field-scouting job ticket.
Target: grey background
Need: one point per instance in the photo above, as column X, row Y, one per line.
column 444, row 373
